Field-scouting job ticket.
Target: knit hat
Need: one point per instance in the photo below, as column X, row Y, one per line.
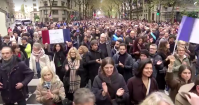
column 145, row 52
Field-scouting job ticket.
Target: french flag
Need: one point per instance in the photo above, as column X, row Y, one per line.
column 189, row 30
column 56, row 36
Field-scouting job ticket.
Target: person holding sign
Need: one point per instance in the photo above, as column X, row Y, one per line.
column 184, row 77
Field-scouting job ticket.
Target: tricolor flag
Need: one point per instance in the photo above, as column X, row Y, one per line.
column 189, row 30
column 56, row 36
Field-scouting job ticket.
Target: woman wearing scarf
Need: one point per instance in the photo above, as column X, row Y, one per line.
column 50, row 90
column 38, row 59
column 74, row 73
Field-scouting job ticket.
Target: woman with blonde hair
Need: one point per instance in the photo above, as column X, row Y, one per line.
column 157, row 98
column 50, row 89
column 74, row 77
column 82, row 50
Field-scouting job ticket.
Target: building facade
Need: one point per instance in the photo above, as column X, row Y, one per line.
column 58, row 10
column 5, row 7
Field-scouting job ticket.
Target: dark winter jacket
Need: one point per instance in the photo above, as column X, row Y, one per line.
column 91, row 64
column 81, row 72
column 20, row 73
column 155, row 58
column 128, row 66
column 137, row 90
column 114, row 82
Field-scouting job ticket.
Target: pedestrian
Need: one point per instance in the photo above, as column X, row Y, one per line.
column 38, row 59
column 180, row 98
column 93, row 60
column 15, row 76
column 157, row 98
column 124, row 62
column 50, row 89
column 75, row 76
column 109, row 86
column 142, row 84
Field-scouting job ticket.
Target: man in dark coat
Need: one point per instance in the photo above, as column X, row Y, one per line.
column 124, row 62
column 156, row 59
column 105, row 46
column 93, row 60
column 14, row 78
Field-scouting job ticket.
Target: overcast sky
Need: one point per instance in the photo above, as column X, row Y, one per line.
column 18, row 4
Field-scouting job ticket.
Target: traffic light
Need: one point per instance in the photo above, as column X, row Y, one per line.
column 158, row 12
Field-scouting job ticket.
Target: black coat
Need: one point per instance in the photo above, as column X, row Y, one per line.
column 20, row 73
column 114, row 82
column 91, row 64
column 81, row 72
column 127, row 71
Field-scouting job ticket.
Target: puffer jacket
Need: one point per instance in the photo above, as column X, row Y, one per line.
column 57, row 89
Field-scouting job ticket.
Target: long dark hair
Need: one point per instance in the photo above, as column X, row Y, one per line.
column 181, row 69
column 141, row 67
column 162, row 47
column 61, row 48
column 105, row 61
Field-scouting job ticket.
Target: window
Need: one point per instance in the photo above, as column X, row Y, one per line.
column 34, row 4
column 46, row 19
column 64, row 19
column 55, row 12
column 45, row 3
column 35, row 9
column 33, row 0
column 45, row 12
column 55, row 3
column 55, row 19
column 64, row 12
column 62, row 3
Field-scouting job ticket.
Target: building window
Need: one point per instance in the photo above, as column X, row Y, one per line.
column 45, row 3
column 64, row 19
column 55, row 19
column 55, row 3
column 64, row 12
column 34, row 4
column 55, row 12
column 33, row 0
column 35, row 9
column 45, row 12
column 62, row 3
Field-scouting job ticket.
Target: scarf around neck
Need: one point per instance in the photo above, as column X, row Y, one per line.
column 74, row 82
column 38, row 55
column 7, row 65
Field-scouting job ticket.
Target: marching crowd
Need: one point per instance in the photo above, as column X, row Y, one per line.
column 127, row 63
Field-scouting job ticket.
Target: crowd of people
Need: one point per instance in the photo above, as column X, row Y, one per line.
column 107, row 62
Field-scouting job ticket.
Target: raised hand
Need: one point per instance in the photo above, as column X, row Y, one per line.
column 159, row 62
column 120, row 92
column 104, row 87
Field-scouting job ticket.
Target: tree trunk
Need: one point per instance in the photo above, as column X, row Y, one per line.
column 172, row 13
column 130, row 12
column 143, row 8
column 149, row 12
column 137, row 13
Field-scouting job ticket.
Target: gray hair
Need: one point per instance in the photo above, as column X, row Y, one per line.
column 83, row 95
column 37, row 45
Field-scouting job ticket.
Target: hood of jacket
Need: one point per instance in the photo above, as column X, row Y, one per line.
column 104, row 78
